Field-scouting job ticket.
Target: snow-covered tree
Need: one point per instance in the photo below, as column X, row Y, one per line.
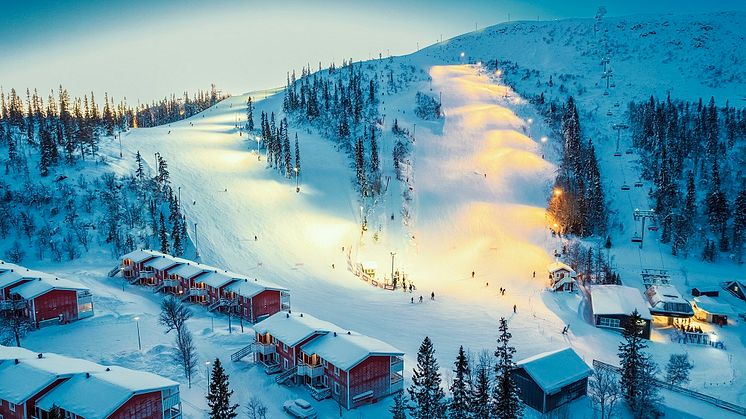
column 399, row 409
column 460, row 404
column 604, row 391
column 219, row 394
column 677, row 369
column 506, row 401
column 425, row 393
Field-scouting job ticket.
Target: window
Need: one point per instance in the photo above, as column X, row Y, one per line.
column 336, row 388
column 284, row 347
column 336, row 371
column 608, row 322
column 11, row 407
column 324, row 380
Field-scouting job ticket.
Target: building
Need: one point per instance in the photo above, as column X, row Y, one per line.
column 709, row 310
column 30, row 384
column 43, row 297
column 351, row 368
column 561, row 277
column 612, row 306
column 736, row 288
column 666, row 302
column 218, row 289
column 705, row 290
column 551, row 379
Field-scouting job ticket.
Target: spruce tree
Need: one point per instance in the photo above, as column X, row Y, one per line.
column 631, row 356
column 139, row 171
column 178, row 245
column 219, row 395
column 249, row 114
column 739, row 224
column 162, row 235
column 480, row 399
column 399, row 409
column 459, row 407
column 425, row 392
column 506, row 402
column 297, row 153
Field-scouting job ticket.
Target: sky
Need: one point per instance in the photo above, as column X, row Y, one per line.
column 147, row 49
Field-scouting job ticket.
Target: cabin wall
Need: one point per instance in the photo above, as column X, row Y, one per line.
column 266, row 303
column 530, row 392
column 53, row 303
column 373, row 374
column 141, row 406
column 567, row 394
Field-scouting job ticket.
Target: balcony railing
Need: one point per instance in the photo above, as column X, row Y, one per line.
column 196, row 292
column 397, row 382
column 319, row 393
column 265, row 348
column 397, row 364
column 312, row 371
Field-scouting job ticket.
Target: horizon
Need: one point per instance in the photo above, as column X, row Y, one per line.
column 146, row 51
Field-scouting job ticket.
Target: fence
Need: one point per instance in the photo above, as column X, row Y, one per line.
column 685, row 391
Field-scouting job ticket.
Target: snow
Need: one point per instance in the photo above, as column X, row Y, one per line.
column 712, row 306
column 111, row 387
column 665, row 293
column 247, row 287
column 618, row 299
column 37, row 374
column 190, row 270
column 559, row 266
column 346, row 350
column 294, row 327
column 138, row 256
column 8, row 353
column 164, row 262
column 215, row 279
column 8, row 278
column 555, row 369
column 33, row 289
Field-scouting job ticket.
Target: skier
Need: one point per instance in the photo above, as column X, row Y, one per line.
column 515, row 309
column 410, row 287
column 332, row 266
column 472, row 274
column 487, row 284
column 504, row 291
column 412, row 300
column 432, row 295
column 420, row 298
column 534, row 274
column 256, row 238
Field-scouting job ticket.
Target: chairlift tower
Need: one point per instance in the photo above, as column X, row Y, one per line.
column 618, row 128
column 642, row 215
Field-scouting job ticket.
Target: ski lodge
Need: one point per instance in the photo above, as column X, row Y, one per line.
column 708, row 309
column 31, row 384
column 666, row 301
column 561, row 276
column 42, row 297
column 551, row 379
column 217, row 289
column 612, row 307
column 351, row 368
column 737, row 288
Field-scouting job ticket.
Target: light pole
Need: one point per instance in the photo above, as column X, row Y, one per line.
column 139, row 342
column 120, row 144
column 196, row 248
column 392, row 265
column 207, row 367
column 297, row 185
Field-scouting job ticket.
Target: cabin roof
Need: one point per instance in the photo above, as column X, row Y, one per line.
column 348, row 349
column 555, row 369
column 618, row 299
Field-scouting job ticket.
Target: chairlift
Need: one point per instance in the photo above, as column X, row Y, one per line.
column 629, row 151
column 609, row 113
column 606, row 93
column 636, row 238
column 617, row 153
column 625, row 187
column 616, row 104
column 612, row 85
column 653, row 228
column 638, row 184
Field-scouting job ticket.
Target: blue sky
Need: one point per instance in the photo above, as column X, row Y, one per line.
column 145, row 49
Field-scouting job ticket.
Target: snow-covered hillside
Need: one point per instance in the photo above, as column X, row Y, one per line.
column 479, row 180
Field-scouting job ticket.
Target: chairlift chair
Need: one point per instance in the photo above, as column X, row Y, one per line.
column 625, row 187
column 653, row 228
column 636, row 238
column 617, row 153
column 609, row 113
column 629, row 151
column 638, row 184
column 616, row 104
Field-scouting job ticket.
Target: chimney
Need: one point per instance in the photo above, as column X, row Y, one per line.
column 335, row 334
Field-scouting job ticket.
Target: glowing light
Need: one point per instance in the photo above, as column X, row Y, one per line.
column 137, row 318
column 479, row 63
column 462, row 55
column 557, row 191
column 498, row 72
column 530, row 120
column 544, row 139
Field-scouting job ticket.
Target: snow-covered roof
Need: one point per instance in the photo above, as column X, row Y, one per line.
column 162, row 263
column 37, row 374
column 559, row 266
column 293, row 328
column 111, row 387
column 247, row 287
column 556, row 369
column 141, row 255
column 189, row 270
column 618, row 299
column 216, row 279
column 666, row 293
column 35, row 288
column 712, row 306
column 8, row 353
column 8, row 278
column 348, row 349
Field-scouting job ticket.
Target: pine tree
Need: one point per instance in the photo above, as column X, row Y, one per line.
column 631, row 357
column 677, row 370
column 219, row 395
column 360, row 165
column 249, row 114
column 506, row 402
column 425, row 392
column 178, row 246
column 718, row 211
column 459, row 407
column 297, row 153
column 739, row 224
column 162, row 235
column 480, row 399
column 139, row 172
column 399, row 409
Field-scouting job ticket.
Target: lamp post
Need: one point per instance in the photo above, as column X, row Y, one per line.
column 392, row 265
column 120, row 143
column 297, row 185
column 139, row 342
column 207, row 367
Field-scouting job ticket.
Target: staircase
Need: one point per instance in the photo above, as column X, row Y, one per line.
column 112, row 273
column 286, row 375
column 221, row 302
column 159, row 287
column 241, row 353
